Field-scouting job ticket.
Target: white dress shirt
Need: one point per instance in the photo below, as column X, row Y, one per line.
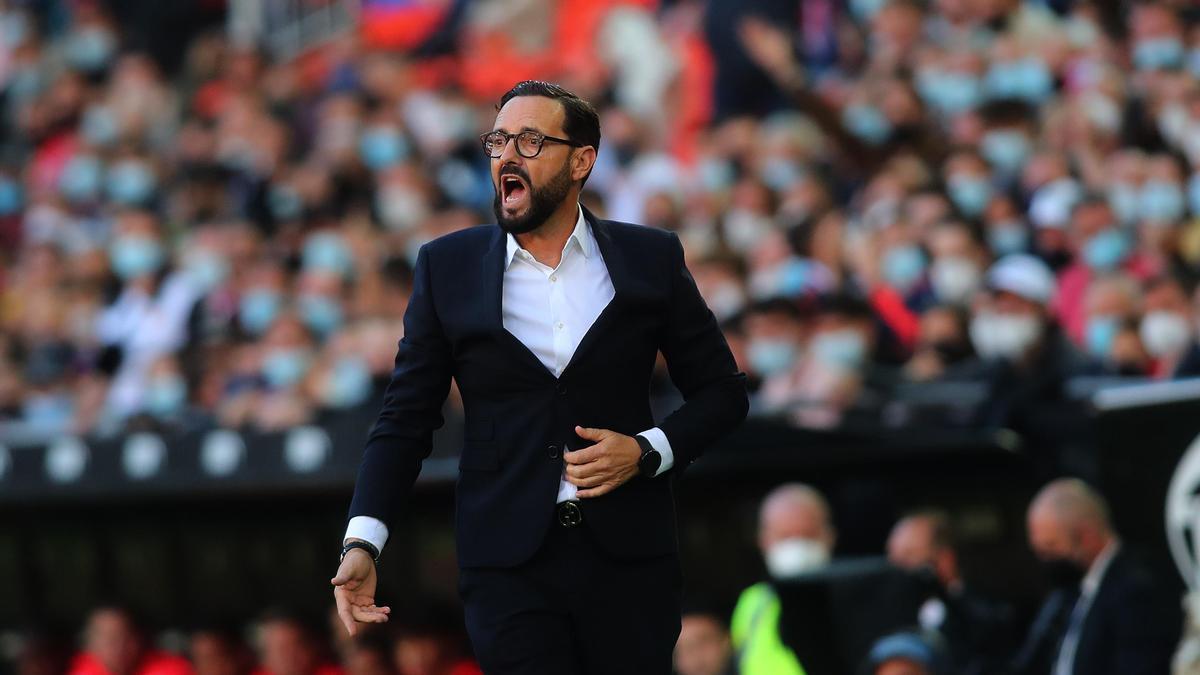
column 549, row 310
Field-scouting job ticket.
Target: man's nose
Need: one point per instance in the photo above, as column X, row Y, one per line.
column 510, row 154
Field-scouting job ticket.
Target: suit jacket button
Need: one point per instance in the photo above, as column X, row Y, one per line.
column 552, row 450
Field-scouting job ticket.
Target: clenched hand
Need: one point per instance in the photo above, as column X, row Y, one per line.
column 601, row 468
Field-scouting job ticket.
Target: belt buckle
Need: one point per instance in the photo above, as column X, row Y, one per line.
column 569, row 514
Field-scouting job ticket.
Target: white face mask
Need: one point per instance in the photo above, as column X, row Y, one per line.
column 1004, row 336
column 954, row 279
column 1164, row 333
column 726, row 299
column 792, row 557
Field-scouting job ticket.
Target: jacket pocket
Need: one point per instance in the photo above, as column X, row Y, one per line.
column 479, row 451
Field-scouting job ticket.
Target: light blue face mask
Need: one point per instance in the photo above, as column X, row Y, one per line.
column 1193, row 62
column 949, row 92
column 1161, row 201
column 90, row 49
column 382, row 147
column 257, row 310
column 903, row 266
column 1008, row 238
column 970, row 194
column 1005, row 149
column 130, row 183
column 321, row 313
column 99, row 126
column 1123, row 199
column 48, row 413
column 166, row 396
column 10, row 197
column 1158, row 53
column 771, row 356
column 1100, row 334
column 841, row 349
column 284, row 203
column 867, row 123
column 1194, row 194
column 716, row 175
column 283, row 368
column 133, row 256
column 81, row 178
column 207, row 269
column 1026, row 79
column 793, row 278
column 348, row 383
column 780, row 173
column 1105, row 251
column 327, row 252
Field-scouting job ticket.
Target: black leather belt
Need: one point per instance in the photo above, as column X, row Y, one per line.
column 569, row 514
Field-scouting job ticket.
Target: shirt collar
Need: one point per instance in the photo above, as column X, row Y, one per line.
column 581, row 235
column 1095, row 573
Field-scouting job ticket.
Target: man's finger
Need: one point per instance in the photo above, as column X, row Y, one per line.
column 591, row 434
column 594, row 492
column 368, row 614
column 585, row 481
column 343, row 611
column 584, row 455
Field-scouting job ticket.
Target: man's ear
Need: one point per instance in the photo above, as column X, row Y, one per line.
column 582, row 162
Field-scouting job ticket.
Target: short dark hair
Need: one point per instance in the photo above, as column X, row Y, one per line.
column 581, row 122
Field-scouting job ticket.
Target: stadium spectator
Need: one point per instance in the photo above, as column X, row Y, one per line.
column 908, row 654
column 1168, row 329
column 795, row 536
column 288, row 646
column 219, row 651
column 114, row 644
column 703, row 647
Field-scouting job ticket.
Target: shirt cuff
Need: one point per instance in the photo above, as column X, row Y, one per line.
column 658, row 439
column 368, row 529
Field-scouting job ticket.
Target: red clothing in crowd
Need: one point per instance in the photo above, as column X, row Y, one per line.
column 154, row 663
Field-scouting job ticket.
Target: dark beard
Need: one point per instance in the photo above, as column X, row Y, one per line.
column 542, row 203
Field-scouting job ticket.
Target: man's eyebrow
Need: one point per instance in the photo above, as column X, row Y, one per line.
column 522, row 129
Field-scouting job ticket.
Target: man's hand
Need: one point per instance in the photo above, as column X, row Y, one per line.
column 771, row 49
column 354, row 591
column 601, row 468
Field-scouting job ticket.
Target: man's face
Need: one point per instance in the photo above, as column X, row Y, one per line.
column 910, row 545
column 286, row 651
column 703, row 647
column 529, row 190
column 113, row 641
column 1048, row 536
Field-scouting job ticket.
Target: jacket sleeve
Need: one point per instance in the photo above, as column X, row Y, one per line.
column 701, row 366
column 402, row 436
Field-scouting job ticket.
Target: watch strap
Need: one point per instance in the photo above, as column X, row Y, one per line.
column 366, row 546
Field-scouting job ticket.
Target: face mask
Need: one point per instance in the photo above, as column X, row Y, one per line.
column 970, row 194
column 400, row 208
column 1006, row 238
column 206, row 269
column 10, row 197
column 771, row 356
column 954, row 279
column 1099, row 335
column 48, row 412
column 1160, row 201
column 348, row 383
column 715, row 175
column 1004, row 336
column 99, row 126
column 166, row 396
column 1027, row 79
column 1193, row 62
column 132, row 257
column 321, row 313
column 867, row 123
column 1123, row 199
column 382, row 147
column 90, row 49
column 1158, row 53
column 865, row 10
column 949, row 92
column 780, row 174
column 743, row 229
column 80, row 179
column 903, row 266
column 1194, row 194
column 727, row 300
column 130, row 182
column 327, row 252
column 843, row 349
column 1105, row 251
column 790, row 558
column 257, row 310
column 284, row 203
column 1062, row 573
column 283, row 368
column 1005, row 149
column 1165, row 333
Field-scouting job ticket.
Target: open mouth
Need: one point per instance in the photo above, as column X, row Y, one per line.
column 512, row 189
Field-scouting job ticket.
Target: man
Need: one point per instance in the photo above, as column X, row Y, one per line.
column 550, row 323
column 974, row 628
column 1112, row 616
column 908, row 653
column 796, row 536
column 289, row 646
column 703, row 647
column 115, row 644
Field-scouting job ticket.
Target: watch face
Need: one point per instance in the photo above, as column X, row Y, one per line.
column 650, row 462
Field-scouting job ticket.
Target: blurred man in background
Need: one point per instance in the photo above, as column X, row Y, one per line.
column 1105, row 613
column 704, row 647
column 114, row 644
column 795, row 536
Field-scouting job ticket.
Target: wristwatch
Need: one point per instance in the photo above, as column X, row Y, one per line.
column 650, row 460
column 366, row 546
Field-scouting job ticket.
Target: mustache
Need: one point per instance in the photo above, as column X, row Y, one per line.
column 516, row 171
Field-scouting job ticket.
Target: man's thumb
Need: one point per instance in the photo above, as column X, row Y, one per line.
column 340, row 579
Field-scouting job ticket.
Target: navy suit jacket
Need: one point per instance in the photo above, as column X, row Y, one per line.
column 520, row 417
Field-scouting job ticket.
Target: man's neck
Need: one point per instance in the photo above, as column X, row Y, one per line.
column 545, row 242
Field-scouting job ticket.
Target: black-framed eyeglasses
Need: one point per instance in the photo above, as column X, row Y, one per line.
column 529, row 143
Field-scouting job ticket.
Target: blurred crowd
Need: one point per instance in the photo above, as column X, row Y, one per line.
column 988, row 196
